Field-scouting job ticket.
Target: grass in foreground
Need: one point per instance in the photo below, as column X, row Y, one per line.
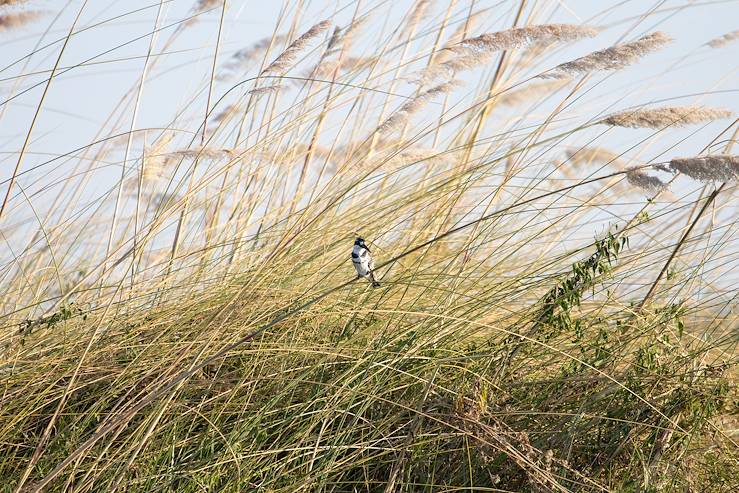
column 554, row 315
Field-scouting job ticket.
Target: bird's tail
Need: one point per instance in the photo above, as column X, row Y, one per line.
column 375, row 284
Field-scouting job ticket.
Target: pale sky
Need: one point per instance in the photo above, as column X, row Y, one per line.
column 105, row 58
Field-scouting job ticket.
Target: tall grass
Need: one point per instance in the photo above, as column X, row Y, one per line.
column 558, row 300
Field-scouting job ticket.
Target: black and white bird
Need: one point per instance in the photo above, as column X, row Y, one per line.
column 363, row 261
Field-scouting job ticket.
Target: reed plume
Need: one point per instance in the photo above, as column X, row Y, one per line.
column 341, row 41
column 640, row 179
column 203, row 5
column 343, row 38
column 587, row 155
column 718, row 167
column 613, row 58
column 393, row 153
column 226, row 112
column 203, row 153
column 400, row 117
column 14, row 20
column 444, row 54
column 465, row 26
column 724, row 40
column 417, row 15
column 254, row 51
column 266, row 89
column 532, row 92
column 665, row 116
column 417, row 155
column 283, row 62
column 474, row 52
column 521, row 36
column 154, row 164
column 326, row 68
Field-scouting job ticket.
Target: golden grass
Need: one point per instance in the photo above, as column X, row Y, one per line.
column 551, row 317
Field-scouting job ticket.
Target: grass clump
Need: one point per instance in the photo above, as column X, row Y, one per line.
column 192, row 322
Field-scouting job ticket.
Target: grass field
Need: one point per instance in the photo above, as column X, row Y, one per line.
column 554, row 228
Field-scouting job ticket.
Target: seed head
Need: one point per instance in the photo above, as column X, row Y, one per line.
column 676, row 116
column 613, row 58
column 718, row 167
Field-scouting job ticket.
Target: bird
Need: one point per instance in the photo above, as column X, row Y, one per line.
column 363, row 261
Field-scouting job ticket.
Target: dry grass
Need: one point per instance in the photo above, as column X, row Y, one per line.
column 551, row 317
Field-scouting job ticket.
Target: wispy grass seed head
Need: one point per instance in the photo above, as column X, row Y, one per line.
column 613, row 58
column 724, row 40
column 587, row 155
column 474, row 52
column 254, row 51
column 271, row 89
column 521, row 36
column 203, row 5
column 640, row 179
column 418, row 13
column 665, row 116
column 718, row 167
column 400, row 117
column 532, row 92
column 14, row 20
column 285, row 60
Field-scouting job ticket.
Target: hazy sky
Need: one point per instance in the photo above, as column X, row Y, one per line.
column 104, row 59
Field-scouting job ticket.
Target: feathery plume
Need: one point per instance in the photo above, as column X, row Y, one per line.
column 340, row 41
column 204, row 152
column 417, row 14
column 322, row 70
column 156, row 158
column 203, row 5
column 718, row 167
column 665, row 116
column 294, row 154
column 351, row 32
column 326, row 68
column 417, row 155
column 613, row 58
column 226, row 112
column 334, row 41
column 587, row 155
column 251, row 53
column 640, row 179
column 155, row 161
column 526, row 93
column 265, row 90
column 521, row 36
column 287, row 57
column 12, row 20
column 473, row 52
column 413, row 106
column 533, row 52
column 723, row 40
column 466, row 25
